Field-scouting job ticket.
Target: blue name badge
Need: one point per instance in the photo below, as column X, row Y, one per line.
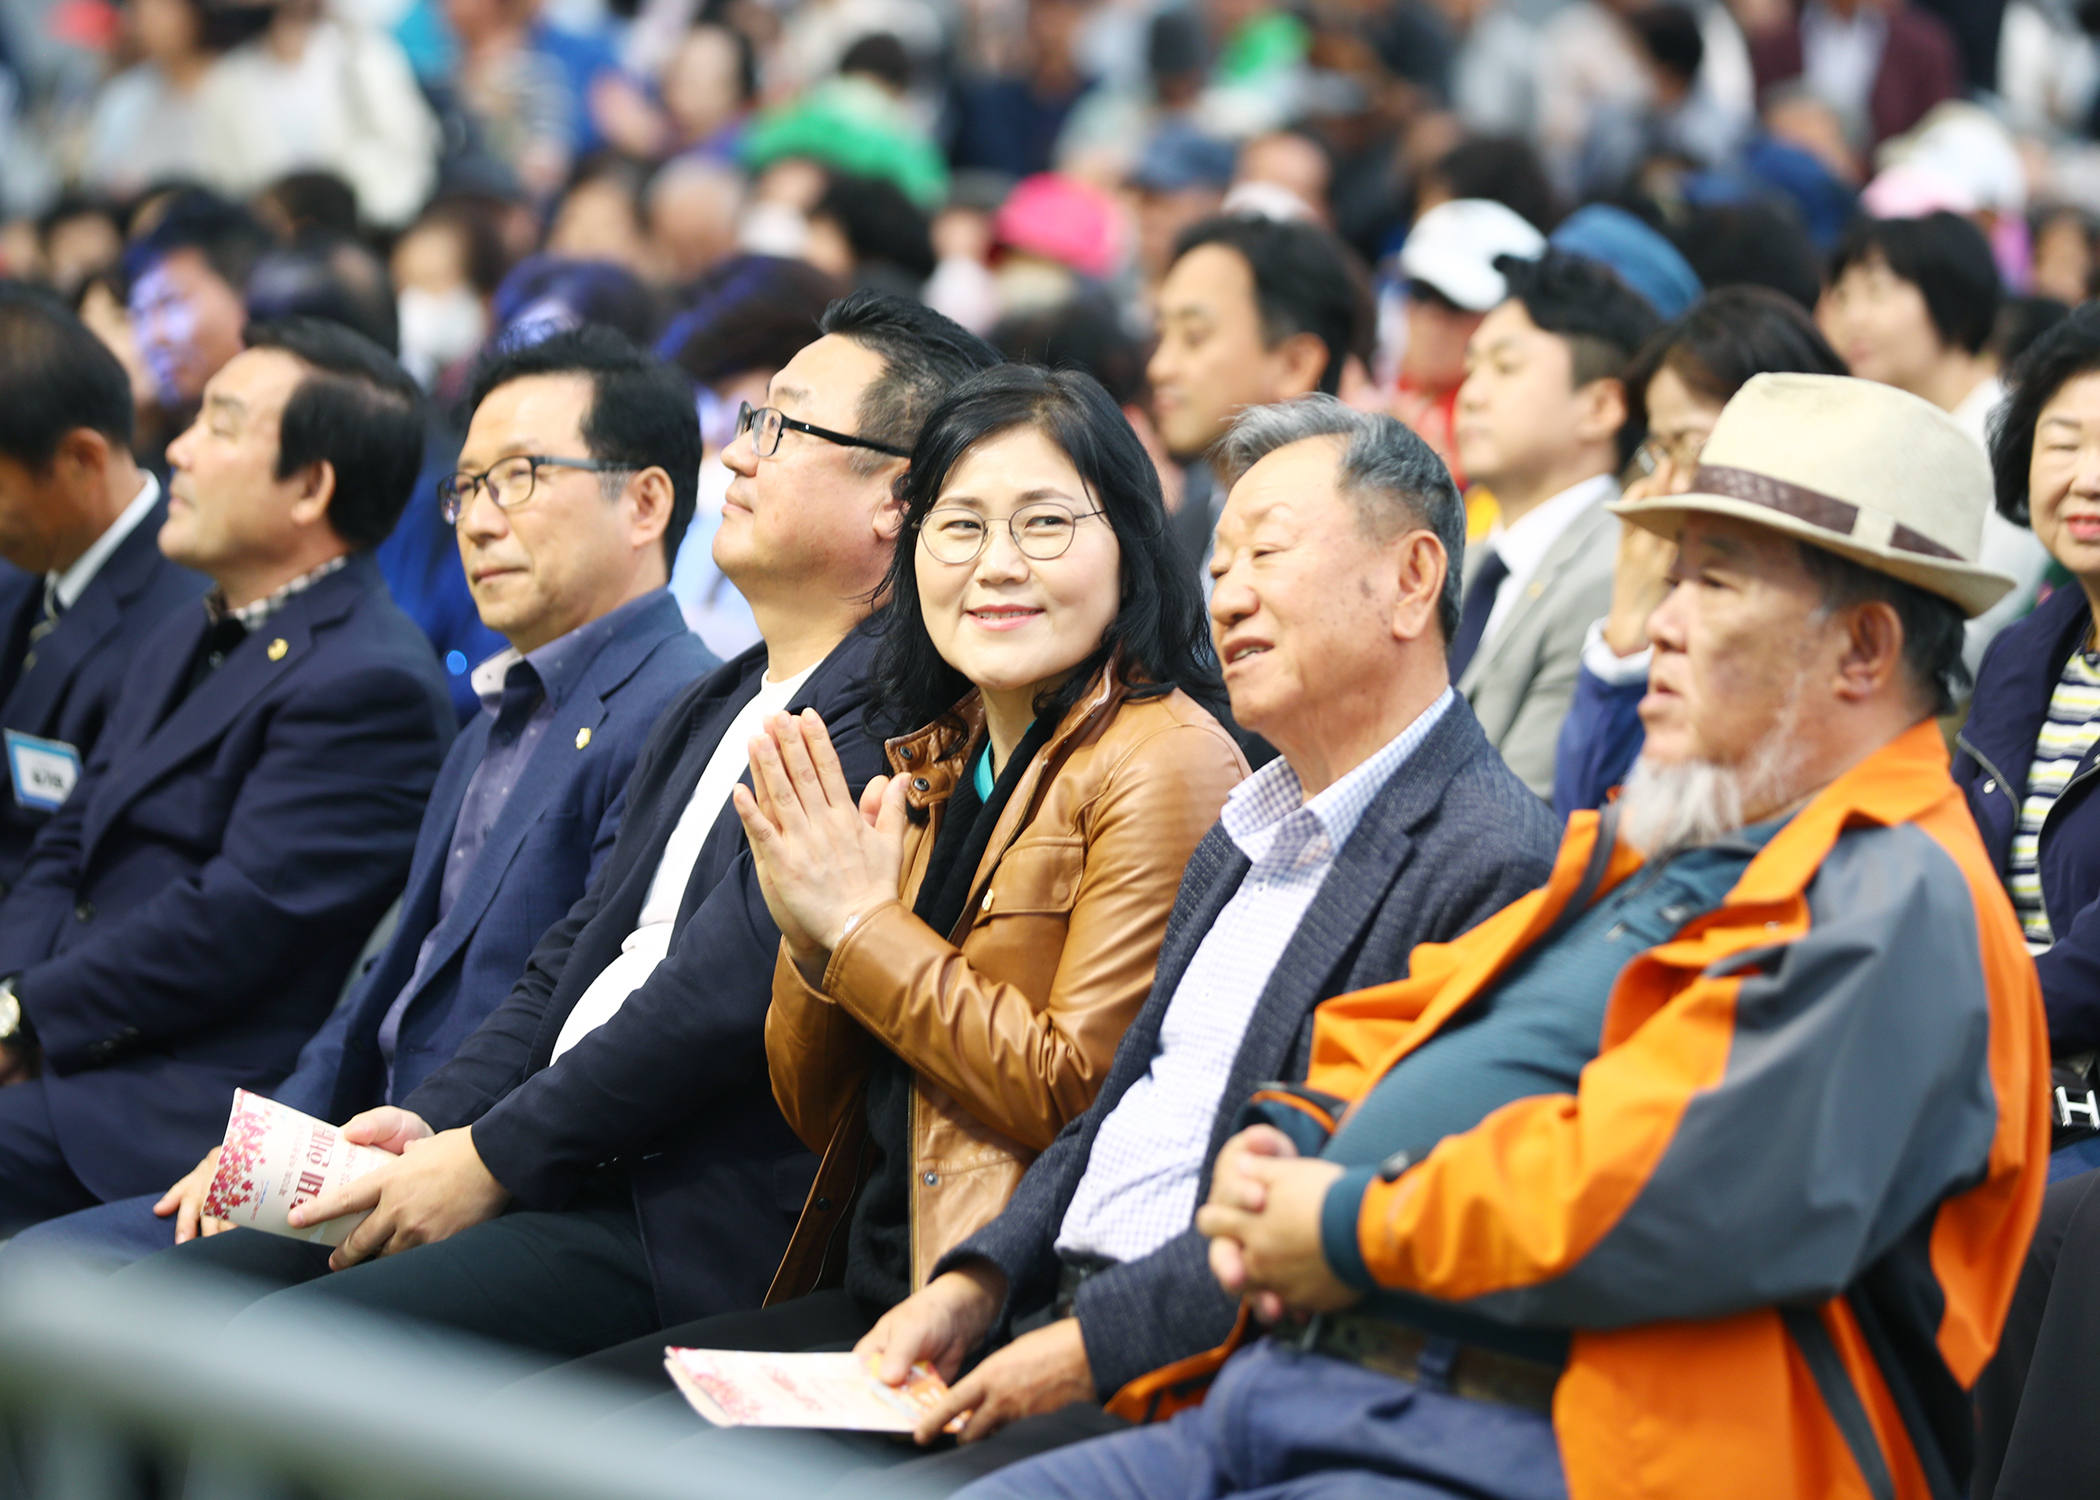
column 43, row 771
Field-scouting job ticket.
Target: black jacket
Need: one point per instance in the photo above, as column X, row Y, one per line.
column 1452, row 838
column 674, row 1085
column 1996, row 752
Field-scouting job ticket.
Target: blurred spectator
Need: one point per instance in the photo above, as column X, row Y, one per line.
column 1252, row 311
column 1049, row 233
column 1257, row 75
column 1494, row 69
column 77, row 241
column 1109, row 129
column 511, row 102
column 446, row 268
column 1642, row 258
column 2021, row 321
column 546, row 294
column 1451, row 284
column 1911, row 304
column 708, row 86
column 818, row 36
column 2064, row 252
column 599, row 215
column 316, row 91
column 693, row 204
column 746, row 320
column 327, row 277
column 1011, row 123
column 858, row 122
column 2048, row 68
column 1675, row 388
column 303, row 203
column 1180, row 177
column 147, row 121
column 189, row 278
column 865, row 232
column 1501, row 169
column 1879, row 64
column 1753, row 244
column 1294, row 162
column 1545, row 423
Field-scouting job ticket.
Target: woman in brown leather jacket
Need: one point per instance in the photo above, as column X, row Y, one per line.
column 964, row 944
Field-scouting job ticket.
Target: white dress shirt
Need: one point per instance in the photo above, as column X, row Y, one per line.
column 650, row 942
column 1524, row 543
column 72, row 583
column 1139, row 1188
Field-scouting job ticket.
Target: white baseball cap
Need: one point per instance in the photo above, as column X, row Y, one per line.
column 1454, row 246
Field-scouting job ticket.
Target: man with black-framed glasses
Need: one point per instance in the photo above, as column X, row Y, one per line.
column 604, row 1154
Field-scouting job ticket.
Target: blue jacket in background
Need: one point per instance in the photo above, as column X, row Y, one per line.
column 1599, row 741
column 185, row 921
column 554, row 830
column 65, row 689
column 1995, row 752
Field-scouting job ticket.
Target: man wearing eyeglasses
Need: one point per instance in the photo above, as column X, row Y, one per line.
column 604, row 1154
column 566, row 543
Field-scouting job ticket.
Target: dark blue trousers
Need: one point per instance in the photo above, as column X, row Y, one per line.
column 1285, row 1425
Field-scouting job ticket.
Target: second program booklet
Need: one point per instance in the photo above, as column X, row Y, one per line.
column 275, row 1158
column 734, row 1388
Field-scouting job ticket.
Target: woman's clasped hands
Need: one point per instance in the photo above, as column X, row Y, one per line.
column 824, row 858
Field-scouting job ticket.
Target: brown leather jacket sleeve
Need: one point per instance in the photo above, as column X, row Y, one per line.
column 1021, row 1068
column 817, row 1055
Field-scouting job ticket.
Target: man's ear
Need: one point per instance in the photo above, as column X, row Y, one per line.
column 1301, row 360
column 83, row 451
column 315, row 486
column 653, row 499
column 1873, row 654
column 1601, row 411
column 889, row 515
column 1422, row 565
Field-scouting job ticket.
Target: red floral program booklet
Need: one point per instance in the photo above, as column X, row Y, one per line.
column 733, row 1388
column 275, row 1158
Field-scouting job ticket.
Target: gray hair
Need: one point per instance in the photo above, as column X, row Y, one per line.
column 1393, row 479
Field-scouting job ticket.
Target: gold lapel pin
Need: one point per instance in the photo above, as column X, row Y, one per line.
column 277, row 649
column 583, row 737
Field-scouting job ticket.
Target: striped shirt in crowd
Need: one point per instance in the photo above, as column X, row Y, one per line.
column 2073, row 726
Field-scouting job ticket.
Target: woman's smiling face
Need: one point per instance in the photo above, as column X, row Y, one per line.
column 1017, row 625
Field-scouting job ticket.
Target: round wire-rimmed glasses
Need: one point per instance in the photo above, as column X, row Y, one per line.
column 510, row 482
column 1042, row 531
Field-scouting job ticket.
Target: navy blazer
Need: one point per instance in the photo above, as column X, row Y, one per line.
column 674, row 1086
column 1995, row 754
column 65, row 689
column 1452, row 838
column 550, row 836
column 185, row 921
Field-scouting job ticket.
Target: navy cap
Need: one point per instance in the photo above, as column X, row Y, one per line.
column 1644, row 260
column 1180, row 157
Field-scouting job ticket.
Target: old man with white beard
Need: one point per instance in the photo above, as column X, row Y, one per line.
column 1663, row 1178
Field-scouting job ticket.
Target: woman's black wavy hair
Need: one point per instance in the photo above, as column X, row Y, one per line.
column 2053, row 361
column 1160, row 626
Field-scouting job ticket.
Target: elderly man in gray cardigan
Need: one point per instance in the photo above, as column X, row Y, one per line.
column 1388, row 821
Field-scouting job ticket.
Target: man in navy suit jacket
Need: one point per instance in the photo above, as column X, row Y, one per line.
column 78, row 522
column 605, row 1153
column 186, row 920
column 530, row 798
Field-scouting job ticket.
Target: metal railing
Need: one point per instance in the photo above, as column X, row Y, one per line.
column 134, row 1389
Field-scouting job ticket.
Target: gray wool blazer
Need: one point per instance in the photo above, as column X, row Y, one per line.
column 1522, row 679
column 1450, row 839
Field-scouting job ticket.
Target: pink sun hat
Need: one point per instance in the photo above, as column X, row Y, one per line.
column 1061, row 219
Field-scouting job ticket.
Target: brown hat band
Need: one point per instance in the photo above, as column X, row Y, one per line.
column 1817, row 509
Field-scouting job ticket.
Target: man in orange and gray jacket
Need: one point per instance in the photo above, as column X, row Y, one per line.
column 1708, row 1169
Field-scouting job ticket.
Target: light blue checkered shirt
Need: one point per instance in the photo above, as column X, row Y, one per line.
column 1139, row 1189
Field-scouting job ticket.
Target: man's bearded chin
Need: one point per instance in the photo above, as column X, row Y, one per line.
column 1673, row 805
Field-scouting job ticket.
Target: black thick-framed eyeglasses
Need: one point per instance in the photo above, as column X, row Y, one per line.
column 766, row 423
column 510, row 481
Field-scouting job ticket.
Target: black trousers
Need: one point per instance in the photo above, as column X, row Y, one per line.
column 559, row 1285
column 872, row 1463
column 2036, row 1401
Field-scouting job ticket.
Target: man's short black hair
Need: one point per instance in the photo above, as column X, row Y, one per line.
column 922, row 352
column 55, row 377
column 641, row 408
column 1603, row 320
column 228, row 238
column 1305, row 281
column 1502, row 169
column 1945, row 257
column 1756, row 244
column 358, row 411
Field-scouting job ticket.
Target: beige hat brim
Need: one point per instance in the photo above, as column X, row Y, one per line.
column 1973, row 589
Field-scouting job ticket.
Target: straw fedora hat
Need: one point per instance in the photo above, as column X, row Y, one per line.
column 1854, row 467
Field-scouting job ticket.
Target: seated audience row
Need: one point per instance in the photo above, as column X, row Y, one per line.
column 930, row 973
